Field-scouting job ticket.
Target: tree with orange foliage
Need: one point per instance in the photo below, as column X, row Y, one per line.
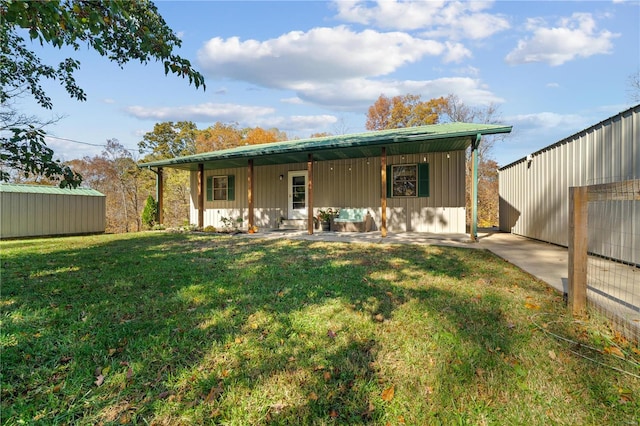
column 404, row 111
column 258, row 135
column 217, row 137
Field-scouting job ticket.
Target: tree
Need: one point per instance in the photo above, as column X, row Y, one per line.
column 121, row 30
column 149, row 213
column 457, row 111
column 115, row 173
column 258, row 135
column 169, row 140
column 217, row 137
column 403, row 111
column 633, row 90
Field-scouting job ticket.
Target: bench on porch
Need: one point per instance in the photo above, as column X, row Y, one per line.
column 352, row 220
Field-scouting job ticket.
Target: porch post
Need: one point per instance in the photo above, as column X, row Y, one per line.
column 383, row 191
column 200, row 195
column 474, row 189
column 310, row 194
column 250, row 193
column 160, row 196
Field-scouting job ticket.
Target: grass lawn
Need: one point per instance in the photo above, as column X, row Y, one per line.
column 172, row 329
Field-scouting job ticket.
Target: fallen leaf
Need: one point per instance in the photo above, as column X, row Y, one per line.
column 531, row 306
column 327, row 376
column 313, row 396
column 163, row 395
column 99, row 380
column 238, row 340
column 332, row 334
column 333, row 414
column 401, row 420
column 388, row 393
column 129, row 373
column 379, row 318
column 625, row 395
column 612, row 350
column 225, row 373
column 214, row 393
column 57, row 388
column 552, row 355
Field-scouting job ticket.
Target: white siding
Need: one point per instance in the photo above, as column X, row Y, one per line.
column 534, row 197
column 348, row 183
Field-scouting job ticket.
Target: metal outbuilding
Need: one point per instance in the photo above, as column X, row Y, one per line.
column 38, row 210
column 534, row 191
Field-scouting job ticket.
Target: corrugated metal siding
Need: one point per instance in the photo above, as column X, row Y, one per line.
column 534, row 198
column 30, row 214
column 349, row 183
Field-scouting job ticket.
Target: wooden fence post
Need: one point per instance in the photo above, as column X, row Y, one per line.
column 578, row 244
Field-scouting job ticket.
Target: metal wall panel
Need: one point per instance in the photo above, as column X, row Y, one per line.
column 38, row 214
column 534, row 195
column 349, row 183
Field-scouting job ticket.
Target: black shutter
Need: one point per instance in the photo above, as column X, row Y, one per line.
column 389, row 181
column 210, row 188
column 231, row 182
column 423, row 179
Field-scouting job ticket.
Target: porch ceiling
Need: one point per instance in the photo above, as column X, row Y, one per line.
column 422, row 139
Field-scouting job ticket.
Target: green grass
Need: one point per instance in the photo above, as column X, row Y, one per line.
column 172, row 329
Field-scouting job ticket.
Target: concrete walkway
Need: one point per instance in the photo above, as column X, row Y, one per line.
column 545, row 261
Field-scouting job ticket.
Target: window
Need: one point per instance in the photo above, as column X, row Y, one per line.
column 405, row 181
column 220, row 188
column 408, row 180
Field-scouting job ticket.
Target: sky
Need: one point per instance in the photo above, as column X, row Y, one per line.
column 552, row 68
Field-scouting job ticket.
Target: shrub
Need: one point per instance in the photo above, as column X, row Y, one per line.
column 150, row 212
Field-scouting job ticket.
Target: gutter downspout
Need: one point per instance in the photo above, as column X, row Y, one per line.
column 474, row 189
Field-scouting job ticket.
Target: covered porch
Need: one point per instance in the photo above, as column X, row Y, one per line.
column 408, row 175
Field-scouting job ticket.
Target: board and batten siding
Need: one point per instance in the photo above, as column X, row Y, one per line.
column 353, row 183
column 534, row 192
column 32, row 212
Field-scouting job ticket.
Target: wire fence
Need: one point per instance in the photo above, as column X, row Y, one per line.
column 613, row 261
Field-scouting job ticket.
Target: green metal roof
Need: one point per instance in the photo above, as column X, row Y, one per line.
column 43, row 189
column 408, row 140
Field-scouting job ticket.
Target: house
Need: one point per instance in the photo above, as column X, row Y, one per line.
column 534, row 190
column 39, row 210
column 408, row 179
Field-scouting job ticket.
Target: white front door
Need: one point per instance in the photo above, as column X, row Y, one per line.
column 298, row 201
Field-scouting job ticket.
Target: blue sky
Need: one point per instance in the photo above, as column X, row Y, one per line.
column 552, row 67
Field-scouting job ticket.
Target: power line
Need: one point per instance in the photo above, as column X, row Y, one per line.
column 86, row 143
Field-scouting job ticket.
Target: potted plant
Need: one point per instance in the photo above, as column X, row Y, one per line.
column 325, row 216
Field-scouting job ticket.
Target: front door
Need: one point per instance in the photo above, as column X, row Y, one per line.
column 298, row 201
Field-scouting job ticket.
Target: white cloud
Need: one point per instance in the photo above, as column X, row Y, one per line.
column 574, row 37
column 209, row 112
column 456, row 52
column 108, row 101
column 293, row 101
column 319, row 55
column 359, row 94
column 297, row 123
column 456, row 19
column 553, row 85
column 548, row 120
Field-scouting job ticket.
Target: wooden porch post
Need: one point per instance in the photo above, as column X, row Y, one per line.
column 160, row 195
column 310, row 194
column 383, row 191
column 250, row 193
column 200, row 195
